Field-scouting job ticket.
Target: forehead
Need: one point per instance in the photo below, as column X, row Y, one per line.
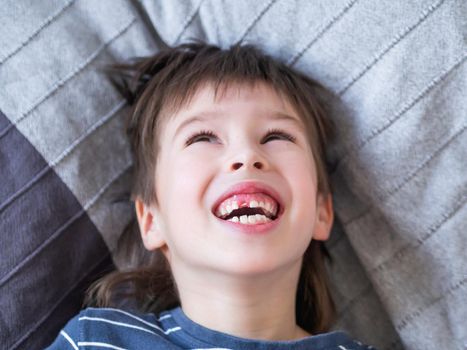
column 208, row 103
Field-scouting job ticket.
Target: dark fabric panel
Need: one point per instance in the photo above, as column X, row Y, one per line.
column 50, row 250
column 34, row 220
column 47, row 331
column 19, row 161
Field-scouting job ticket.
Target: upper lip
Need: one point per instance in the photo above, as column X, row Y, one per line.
column 249, row 187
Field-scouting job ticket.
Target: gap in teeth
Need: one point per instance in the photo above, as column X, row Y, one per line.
column 225, row 210
column 250, row 219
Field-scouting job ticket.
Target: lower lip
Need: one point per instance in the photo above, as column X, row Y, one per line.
column 262, row 228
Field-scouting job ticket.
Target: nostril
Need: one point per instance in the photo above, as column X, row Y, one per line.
column 236, row 166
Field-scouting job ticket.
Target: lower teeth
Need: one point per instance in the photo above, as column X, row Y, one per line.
column 251, row 219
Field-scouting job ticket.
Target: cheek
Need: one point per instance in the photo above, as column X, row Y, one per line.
column 190, row 171
column 301, row 176
column 186, row 181
column 300, row 168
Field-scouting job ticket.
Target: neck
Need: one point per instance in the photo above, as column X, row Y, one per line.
column 253, row 307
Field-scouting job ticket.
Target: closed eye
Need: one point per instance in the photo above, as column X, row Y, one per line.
column 281, row 134
column 208, row 134
column 203, row 134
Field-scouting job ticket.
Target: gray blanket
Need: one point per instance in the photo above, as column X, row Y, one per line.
column 398, row 76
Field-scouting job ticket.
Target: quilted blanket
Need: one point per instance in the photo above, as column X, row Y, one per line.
column 397, row 73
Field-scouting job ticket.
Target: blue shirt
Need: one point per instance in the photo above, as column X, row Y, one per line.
column 107, row 328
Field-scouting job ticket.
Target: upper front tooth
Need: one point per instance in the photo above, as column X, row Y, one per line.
column 229, row 209
column 234, row 205
column 254, row 204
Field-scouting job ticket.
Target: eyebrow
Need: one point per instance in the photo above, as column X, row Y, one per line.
column 206, row 116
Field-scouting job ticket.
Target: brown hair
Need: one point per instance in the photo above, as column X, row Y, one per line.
column 166, row 82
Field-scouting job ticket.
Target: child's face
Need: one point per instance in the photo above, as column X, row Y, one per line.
column 191, row 178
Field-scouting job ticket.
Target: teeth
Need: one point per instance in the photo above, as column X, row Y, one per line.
column 225, row 210
column 250, row 219
column 269, row 207
column 254, row 204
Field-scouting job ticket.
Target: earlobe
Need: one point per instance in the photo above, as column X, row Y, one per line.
column 324, row 218
column 148, row 221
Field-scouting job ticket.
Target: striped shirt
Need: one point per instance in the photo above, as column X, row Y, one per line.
column 108, row 328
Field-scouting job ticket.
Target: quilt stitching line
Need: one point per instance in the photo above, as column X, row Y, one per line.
column 405, row 108
column 52, row 309
column 398, row 38
column 256, row 19
column 430, row 232
column 406, row 320
column 404, row 250
column 321, row 32
column 390, row 193
column 188, row 21
column 57, row 232
column 399, row 254
column 104, row 188
column 100, row 122
column 42, row 26
column 67, row 78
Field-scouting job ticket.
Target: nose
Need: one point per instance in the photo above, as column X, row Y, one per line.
column 248, row 160
column 238, row 165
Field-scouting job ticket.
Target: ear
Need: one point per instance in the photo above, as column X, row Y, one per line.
column 149, row 226
column 324, row 217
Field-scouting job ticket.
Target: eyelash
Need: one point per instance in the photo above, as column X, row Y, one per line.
column 209, row 133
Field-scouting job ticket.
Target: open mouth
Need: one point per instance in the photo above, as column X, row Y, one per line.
column 249, row 209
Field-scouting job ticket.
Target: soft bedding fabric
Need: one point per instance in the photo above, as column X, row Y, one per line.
column 64, row 160
column 398, row 77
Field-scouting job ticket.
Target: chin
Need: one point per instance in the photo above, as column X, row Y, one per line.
column 255, row 266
